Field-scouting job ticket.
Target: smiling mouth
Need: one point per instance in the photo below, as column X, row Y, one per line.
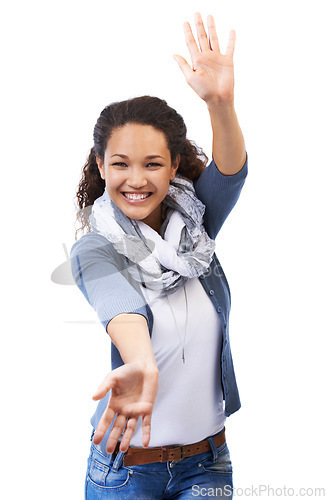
column 135, row 196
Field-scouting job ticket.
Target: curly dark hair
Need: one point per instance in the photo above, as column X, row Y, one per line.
column 144, row 110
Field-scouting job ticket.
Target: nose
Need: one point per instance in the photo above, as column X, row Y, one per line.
column 136, row 178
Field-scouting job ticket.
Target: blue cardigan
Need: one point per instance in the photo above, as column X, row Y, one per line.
column 102, row 276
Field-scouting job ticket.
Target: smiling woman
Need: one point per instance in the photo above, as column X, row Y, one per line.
column 148, row 267
column 138, row 186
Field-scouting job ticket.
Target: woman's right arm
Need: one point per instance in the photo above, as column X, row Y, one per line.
column 133, row 386
column 104, row 282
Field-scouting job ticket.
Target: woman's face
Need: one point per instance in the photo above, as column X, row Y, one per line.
column 137, row 169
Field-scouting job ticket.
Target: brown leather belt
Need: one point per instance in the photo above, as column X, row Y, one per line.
column 139, row 456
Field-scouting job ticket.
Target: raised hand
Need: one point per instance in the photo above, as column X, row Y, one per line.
column 134, row 389
column 211, row 75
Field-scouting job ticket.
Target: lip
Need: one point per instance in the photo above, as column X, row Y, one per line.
column 136, row 202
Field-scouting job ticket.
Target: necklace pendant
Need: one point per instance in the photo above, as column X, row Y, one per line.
column 183, row 356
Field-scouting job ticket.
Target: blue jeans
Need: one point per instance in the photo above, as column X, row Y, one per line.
column 200, row 476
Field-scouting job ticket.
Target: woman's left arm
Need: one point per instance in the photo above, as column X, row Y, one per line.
column 212, row 78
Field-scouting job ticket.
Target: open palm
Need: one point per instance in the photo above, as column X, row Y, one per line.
column 133, row 393
column 211, row 75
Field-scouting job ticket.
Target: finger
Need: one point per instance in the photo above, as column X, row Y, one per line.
column 190, row 41
column 104, row 387
column 231, row 44
column 116, row 431
column 201, row 33
column 128, row 433
column 213, row 40
column 184, row 66
column 146, row 429
column 103, row 425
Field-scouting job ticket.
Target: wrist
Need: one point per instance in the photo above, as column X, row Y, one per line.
column 215, row 105
column 146, row 364
column 147, row 368
column 141, row 356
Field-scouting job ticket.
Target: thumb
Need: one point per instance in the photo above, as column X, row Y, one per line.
column 104, row 387
column 183, row 65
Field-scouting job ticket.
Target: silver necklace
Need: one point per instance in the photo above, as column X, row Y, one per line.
column 182, row 342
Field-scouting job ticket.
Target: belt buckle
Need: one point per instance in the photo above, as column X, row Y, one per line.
column 182, row 453
column 164, row 456
column 165, row 449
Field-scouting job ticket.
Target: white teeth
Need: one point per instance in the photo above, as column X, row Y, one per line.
column 133, row 196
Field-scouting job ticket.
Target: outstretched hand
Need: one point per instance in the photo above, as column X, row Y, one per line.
column 211, row 75
column 134, row 390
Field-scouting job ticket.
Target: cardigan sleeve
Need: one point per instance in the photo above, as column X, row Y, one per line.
column 103, row 279
column 219, row 193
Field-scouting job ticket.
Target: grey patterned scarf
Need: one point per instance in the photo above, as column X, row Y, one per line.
column 152, row 261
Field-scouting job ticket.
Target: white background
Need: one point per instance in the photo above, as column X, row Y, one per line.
column 62, row 62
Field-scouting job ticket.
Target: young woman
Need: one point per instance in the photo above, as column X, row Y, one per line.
column 148, row 267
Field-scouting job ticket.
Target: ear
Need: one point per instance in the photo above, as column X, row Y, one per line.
column 174, row 167
column 100, row 164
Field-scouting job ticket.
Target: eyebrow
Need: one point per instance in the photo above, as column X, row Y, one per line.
column 149, row 157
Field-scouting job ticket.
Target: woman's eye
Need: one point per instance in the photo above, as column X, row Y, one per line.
column 119, row 164
column 153, row 165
